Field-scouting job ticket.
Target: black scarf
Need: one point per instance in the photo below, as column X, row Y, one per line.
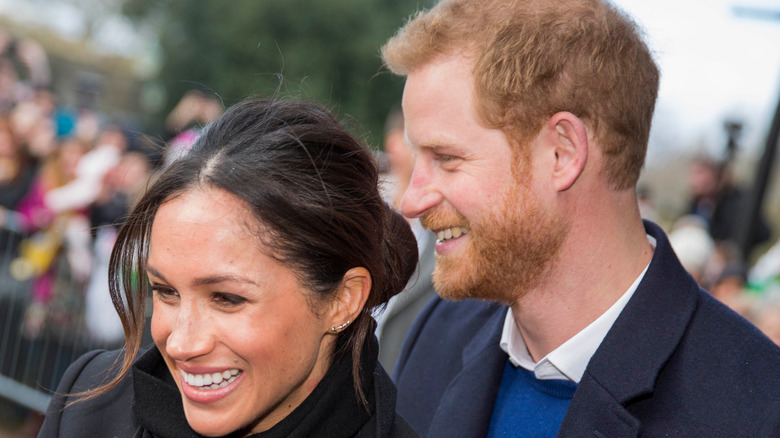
column 331, row 410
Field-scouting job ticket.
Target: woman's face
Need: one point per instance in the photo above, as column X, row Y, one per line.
column 224, row 311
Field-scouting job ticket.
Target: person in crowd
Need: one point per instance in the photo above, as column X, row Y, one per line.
column 266, row 249
column 16, row 171
column 16, row 177
column 87, row 185
column 394, row 321
column 34, row 128
column 25, row 56
column 192, row 112
column 561, row 311
column 120, row 188
column 721, row 203
column 51, row 233
column 693, row 245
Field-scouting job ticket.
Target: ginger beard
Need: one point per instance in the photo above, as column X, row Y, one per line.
column 508, row 253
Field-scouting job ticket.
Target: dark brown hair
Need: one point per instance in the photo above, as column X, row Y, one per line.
column 313, row 189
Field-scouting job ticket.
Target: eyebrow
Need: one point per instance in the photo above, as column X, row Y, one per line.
column 205, row 281
column 434, row 143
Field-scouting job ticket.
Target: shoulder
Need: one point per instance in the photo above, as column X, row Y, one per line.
column 726, row 341
column 725, row 371
column 447, row 340
column 443, row 316
column 445, row 327
column 108, row 415
column 722, row 376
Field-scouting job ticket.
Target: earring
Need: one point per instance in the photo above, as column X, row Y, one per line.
column 339, row 328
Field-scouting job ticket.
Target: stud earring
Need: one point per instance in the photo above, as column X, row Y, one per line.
column 339, row 328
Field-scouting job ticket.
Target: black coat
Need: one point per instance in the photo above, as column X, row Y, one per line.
column 147, row 404
column 675, row 363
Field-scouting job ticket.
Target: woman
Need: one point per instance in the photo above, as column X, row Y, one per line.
column 266, row 248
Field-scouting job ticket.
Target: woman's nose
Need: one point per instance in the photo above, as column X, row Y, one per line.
column 190, row 335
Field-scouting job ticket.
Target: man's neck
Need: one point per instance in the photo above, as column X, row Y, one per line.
column 593, row 271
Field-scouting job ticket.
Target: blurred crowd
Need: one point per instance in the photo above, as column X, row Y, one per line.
column 706, row 239
column 68, row 175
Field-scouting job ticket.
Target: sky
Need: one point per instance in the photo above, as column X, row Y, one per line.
column 715, row 65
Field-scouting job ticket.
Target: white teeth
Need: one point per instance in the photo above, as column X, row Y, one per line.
column 211, row 381
column 451, row 233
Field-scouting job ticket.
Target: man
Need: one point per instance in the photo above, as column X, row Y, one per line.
column 530, row 121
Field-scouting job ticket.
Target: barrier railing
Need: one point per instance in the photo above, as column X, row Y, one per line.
column 37, row 340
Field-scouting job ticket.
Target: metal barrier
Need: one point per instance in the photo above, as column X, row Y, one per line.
column 37, row 343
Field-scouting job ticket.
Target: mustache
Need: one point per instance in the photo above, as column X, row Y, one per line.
column 440, row 218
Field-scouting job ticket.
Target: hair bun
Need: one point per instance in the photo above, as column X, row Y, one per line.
column 400, row 253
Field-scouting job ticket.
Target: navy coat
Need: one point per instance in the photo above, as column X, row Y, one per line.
column 675, row 363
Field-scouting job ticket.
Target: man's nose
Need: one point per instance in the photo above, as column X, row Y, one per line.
column 422, row 193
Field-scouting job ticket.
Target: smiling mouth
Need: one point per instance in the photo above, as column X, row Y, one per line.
column 210, row 380
column 446, row 234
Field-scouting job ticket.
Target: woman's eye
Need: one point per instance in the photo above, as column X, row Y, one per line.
column 227, row 299
column 164, row 293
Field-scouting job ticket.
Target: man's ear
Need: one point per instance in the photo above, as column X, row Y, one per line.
column 570, row 143
column 350, row 299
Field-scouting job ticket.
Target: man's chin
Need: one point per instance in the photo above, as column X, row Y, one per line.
column 452, row 283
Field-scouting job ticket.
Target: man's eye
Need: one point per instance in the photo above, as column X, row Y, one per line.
column 444, row 157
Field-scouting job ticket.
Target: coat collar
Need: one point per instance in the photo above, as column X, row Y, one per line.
column 626, row 365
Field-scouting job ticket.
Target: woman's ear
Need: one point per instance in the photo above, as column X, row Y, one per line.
column 350, row 298
column 570, row 140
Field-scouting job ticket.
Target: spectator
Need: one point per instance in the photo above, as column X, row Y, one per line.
column 720, row 202
column 49, row 230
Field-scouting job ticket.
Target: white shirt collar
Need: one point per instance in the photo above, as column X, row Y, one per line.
column 569, row 360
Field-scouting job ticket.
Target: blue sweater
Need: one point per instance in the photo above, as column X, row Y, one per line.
column 528, row 407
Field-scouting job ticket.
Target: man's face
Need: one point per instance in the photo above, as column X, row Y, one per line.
column 496, row 237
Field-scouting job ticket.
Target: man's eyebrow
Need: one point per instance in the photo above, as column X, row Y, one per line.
column 432, row 144
column 204, row 281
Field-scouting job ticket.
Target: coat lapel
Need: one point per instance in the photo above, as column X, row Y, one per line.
column 627, row 363
column 467, row 405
